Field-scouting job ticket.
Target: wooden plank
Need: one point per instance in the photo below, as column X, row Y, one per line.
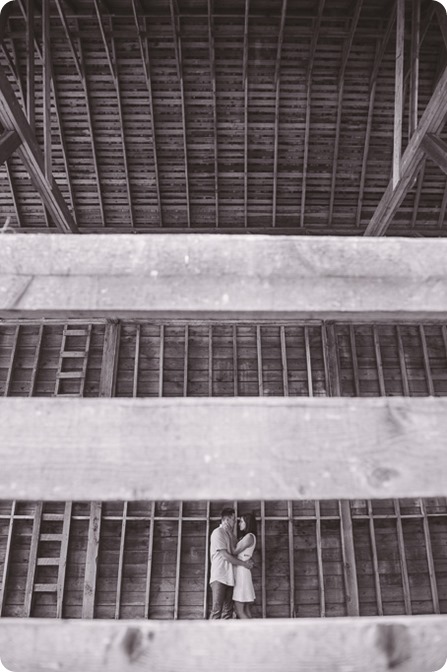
column 321, row 592
column 263, row 562
column 285, row 373
column 235, row 363
column 312, row 50
column 402, row 558
column 62, row 560
column 379, row 365
column 32, row 561
column 207, row 561
column 398, row 92
column 436, row 150
column 212, row 58
column 417, row 196
column 178, row 562
column 355, row 364
column 13, row 191
column 119, row 580
column 9, row 142
column 13, row 118
column 185, row 361
column 245, row 85
column 292, row 612
column 432, row 121
column 112, row 448
column 46, row 90
column 311, row 645
column 204, row 276
column 402, row 363
column 210, row 360
column 109, row 358
column 91, row 562
column 349, row 561
column 10, row 370
column 430, row 560
column 147, row 596
column 413, row 116
column 161, row 360
column 375, row 560
column 7, row 559
column 136, row 361
column 308, row 362
column 428, row 376
column 259, row 359
column 30, row 65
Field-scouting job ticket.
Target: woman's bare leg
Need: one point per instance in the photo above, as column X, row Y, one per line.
column 239, row 608
column 247, row 609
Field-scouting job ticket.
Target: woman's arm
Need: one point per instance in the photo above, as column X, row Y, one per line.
column 235, row 561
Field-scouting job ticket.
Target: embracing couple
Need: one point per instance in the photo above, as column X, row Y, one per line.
column 231, row 564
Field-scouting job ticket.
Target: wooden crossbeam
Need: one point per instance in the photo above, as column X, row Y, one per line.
column 436, row 150
column 13, row 118
column 432, row 121
column 9, row 142
column 376, row 644
column 227, row 276
column 129, row 449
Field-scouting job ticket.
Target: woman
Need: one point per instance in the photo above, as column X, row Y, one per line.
column 243, row 593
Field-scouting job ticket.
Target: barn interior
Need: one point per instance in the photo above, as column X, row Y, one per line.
column 274, row 118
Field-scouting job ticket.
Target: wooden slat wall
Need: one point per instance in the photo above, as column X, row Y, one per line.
column 145, row 567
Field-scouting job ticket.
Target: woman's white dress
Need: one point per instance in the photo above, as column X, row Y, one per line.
column 243, row 583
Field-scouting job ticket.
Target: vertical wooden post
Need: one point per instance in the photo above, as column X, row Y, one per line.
column 119, row 581
column 207, row 561
column 63, row 559
column 36, row 362
column 149, row 562
column 30, row 96
column 137, row 361
column 235, row 366
column 399, row 90
column 347, row 539
column 109, row 359
column 210, row 360
column 161, row 360
column 285, row 373
column 355, row 364
column 379, row 365
column 12, row 361
column 403, row 367
column 414, row 71
column 7, row 557
column 91, row 564
column 185, row 362
column 429, row 377
column 403, row 558
column 308, row 362
column 259, row 356
column 372, row 535
column 321, row 596
column 430, row 561
column 178, row 564
column 32, row 561
column 291, row 559
column 263, row 590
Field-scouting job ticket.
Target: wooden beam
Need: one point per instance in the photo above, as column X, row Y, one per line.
column 12, row 189
column 212, row 57
column 442, row 21
column 71, row 45
column 413, row 116
column 436, row 150
column 194, row 275
column 277, row 82
column 109, row 358
column 432, row 121
column 312, row 50
column 376, row 644
column 9, row 142
column 91, row 562
column 13, row 118
column 398, row 91
column 30, row 62
column 117, row 449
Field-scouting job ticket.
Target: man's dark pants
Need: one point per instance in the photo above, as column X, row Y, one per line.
column 222, row 600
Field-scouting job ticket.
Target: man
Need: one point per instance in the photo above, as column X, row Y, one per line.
column 222, row 545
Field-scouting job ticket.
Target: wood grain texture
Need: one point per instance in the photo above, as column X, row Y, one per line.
column 199, row 275
column 107, row 449
column 416, row 644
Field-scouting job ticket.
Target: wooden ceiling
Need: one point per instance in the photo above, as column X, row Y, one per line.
column 273, row 116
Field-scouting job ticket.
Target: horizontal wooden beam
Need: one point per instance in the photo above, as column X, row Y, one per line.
column 432, row 121
column 436, row 150
column 200, row 276
column 9, row 142
column 13, row 118
column 244, row 448
column 375, row 644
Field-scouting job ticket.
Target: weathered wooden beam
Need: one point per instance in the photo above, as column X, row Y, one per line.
column 13, row 118
column 150, row 448
column 66, row 28
column 398, row 91
column 432, row 121
column 91, row 561
column 212, row 57
column 196, row 275
column 377, row 644
column 9, row 142
column 413, row 116
column 30, row 64
column 436, row 150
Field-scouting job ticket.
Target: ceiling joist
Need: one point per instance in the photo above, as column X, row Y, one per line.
column 431, row 122
column 13, row 118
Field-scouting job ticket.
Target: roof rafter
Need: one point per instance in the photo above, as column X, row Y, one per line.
column 431, row 121
column 9, row 142
column 175, row 20
column 277, row 94
column 245, row 85
column 13, row 192
column 341, row 84
column 313, row 47
column 13, row 118
column 399, row 90
column 442, row 21
column 30, row 95
column 67, row 32
column 436, row 150
column 144, row 50
column 213, row 88
column 414, row 66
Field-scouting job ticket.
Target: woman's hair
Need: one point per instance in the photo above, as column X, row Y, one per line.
column 250, row 521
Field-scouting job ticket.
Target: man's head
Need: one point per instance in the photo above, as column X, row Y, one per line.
column 228, row 517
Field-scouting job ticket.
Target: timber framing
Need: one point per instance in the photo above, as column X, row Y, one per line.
column 9, row 142
column 13, row 119
column 126, row 449
column 200, row 276
column 431, row 122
